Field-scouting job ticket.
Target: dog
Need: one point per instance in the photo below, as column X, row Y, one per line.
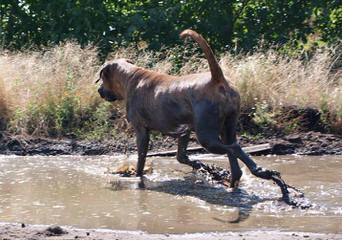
column 205, row 103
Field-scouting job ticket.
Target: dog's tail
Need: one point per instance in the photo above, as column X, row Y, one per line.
column 215, row 69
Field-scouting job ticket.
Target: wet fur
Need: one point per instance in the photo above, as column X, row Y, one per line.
column 176, row 105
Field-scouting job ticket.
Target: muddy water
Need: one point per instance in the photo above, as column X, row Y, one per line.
column 75, row 191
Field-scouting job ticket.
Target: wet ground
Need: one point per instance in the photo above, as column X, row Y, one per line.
column 303, row 143
column 73, row 190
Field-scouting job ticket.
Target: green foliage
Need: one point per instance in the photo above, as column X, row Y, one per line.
column 236, row 24
column 329, row 119
column 65, row 112
column 291, row 126
column 263, row 115
column 252, row 137
column 98, row 125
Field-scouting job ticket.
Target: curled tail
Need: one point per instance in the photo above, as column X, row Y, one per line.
column 215, row 69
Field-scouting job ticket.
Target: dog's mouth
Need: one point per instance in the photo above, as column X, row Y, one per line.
column 107, row 95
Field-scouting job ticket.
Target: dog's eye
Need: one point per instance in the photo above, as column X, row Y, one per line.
column 129, row 61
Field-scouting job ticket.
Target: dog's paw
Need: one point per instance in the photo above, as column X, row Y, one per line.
column 265, row 173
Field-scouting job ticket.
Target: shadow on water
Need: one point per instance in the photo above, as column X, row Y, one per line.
column 237, row 198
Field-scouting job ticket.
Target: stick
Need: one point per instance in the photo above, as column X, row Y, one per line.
column 250, row 150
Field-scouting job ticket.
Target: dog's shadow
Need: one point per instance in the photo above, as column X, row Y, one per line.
column 238, row 198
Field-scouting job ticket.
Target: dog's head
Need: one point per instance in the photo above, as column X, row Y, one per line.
column 112, row 77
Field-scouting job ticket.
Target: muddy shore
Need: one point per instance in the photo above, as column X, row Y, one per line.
column 310, row 136
column 11, row 231
column 304, row 143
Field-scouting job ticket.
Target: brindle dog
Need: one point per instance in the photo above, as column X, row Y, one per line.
column 176, row 105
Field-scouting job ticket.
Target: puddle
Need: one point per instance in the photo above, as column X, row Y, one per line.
column 71, row 190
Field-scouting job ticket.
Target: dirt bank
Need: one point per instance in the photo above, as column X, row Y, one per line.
column 292, row 130
column 38, row 232
column 308, row 143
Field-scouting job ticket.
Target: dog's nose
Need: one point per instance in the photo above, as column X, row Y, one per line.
column 100, row 90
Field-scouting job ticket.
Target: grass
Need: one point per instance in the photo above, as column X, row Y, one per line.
column 48, row 93
column 276, row 81
column 52, row 92
column 280, row 80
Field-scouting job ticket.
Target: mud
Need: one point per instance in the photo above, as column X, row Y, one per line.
column 305, row 143
column 11, row 231
column 53, row 231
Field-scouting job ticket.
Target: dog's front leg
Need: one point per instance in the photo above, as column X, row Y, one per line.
column 183, row 141
column 182, row 157
column 143, row 137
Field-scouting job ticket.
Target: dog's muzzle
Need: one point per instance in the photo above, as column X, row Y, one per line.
column 107, row 95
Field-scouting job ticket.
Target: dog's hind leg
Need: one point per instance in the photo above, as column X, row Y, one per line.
column 208, row 125
column 256, row 170
column 143, row 138
column 182, row 157
column 229, row 137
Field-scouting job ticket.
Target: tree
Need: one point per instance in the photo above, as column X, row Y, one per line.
column 225, row 23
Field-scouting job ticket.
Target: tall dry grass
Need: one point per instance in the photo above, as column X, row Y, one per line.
column 53, row 92
column 44, row 93
column 282, row 81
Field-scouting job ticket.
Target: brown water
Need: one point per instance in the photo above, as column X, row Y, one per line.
column 75, row 191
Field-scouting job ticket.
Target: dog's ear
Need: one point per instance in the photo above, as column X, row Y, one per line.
column 107, row 71
column 99, row 76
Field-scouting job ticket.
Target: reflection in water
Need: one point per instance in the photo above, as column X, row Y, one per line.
column 74, row 191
